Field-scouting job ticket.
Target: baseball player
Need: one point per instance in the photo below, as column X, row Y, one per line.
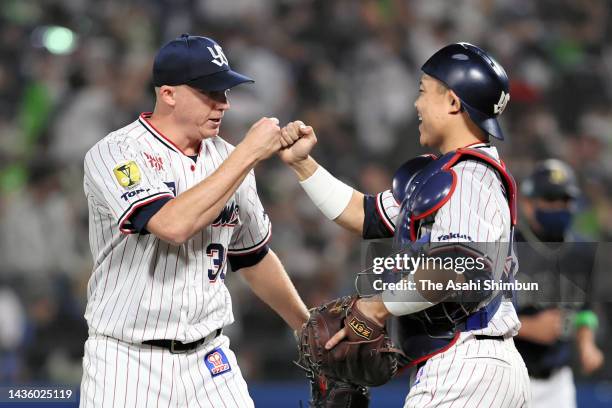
column 547, row 207
column 463, row 196
column 170, row 204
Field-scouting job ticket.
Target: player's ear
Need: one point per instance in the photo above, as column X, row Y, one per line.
column 453, row 101
column 167, row 94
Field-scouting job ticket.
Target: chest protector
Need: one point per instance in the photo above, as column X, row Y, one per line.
column 422, row 186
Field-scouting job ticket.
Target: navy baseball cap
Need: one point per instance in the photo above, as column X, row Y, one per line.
column 551, row 179
column 195, row 61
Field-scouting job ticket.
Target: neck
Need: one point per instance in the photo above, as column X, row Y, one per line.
column 465, row 133
column 458, row 142
column 167, row 126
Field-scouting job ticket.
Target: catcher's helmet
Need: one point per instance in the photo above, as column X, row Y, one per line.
column 551, row 179
column 479, row 81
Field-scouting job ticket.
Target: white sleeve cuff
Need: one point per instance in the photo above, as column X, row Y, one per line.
column 328, row 193
column 403, row 302
column 397, row 308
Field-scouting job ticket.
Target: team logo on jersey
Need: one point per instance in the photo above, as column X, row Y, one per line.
column 127, row 174
column 360, row 328
column 229, row 217
column 217, row 363
column 219, row 57
column 155, row 162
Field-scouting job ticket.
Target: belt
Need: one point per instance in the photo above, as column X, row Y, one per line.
column 485, row 337
column 177, row 347
column 543, row 373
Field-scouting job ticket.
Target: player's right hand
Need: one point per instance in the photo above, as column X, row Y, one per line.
column 297, row 141
column 263, row 138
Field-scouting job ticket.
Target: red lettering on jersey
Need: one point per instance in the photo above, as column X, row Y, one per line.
column 155, row 162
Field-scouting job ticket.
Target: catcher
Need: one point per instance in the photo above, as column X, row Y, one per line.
column 465, row 200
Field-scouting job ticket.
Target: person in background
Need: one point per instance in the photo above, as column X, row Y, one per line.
column 546, row 249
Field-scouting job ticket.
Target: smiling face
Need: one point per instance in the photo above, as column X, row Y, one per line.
column 200, row 112
column 433, row 107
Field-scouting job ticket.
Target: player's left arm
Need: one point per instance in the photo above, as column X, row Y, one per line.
column 270, row 282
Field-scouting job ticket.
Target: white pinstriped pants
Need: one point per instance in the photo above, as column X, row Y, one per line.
column 119, row 374
column 558, row 391
column 473, row 373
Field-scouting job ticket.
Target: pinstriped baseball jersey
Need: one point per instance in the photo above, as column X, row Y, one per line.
column 143, row 288
column 477, row 211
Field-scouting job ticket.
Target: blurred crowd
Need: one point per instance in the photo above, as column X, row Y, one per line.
column 349, row 68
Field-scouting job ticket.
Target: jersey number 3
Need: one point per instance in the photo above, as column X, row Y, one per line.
column 217, row 257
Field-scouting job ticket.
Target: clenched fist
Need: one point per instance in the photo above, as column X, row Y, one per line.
column 263, row 138
column 297, row 141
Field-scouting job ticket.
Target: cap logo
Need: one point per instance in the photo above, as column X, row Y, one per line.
column 218, row 56
column 499, row 107
column 557, row 176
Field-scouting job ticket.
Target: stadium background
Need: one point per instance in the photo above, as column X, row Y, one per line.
column 73, row 70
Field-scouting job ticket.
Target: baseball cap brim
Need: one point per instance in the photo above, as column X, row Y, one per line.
column 219, row 81
column 485, row 122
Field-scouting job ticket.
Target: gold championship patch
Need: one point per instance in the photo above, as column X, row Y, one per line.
column 127, row 174
column 360, row 328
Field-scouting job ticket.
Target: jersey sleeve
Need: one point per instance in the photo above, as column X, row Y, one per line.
column 249, row 241
column 381, row 213
column 117, row 175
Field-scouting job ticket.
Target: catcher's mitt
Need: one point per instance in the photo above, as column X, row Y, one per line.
column 328, row 393
column 366, row 357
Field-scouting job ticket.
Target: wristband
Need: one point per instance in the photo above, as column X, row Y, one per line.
column 327, row 192
column 586, row 318
column 400, row 308
column 403, row 302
